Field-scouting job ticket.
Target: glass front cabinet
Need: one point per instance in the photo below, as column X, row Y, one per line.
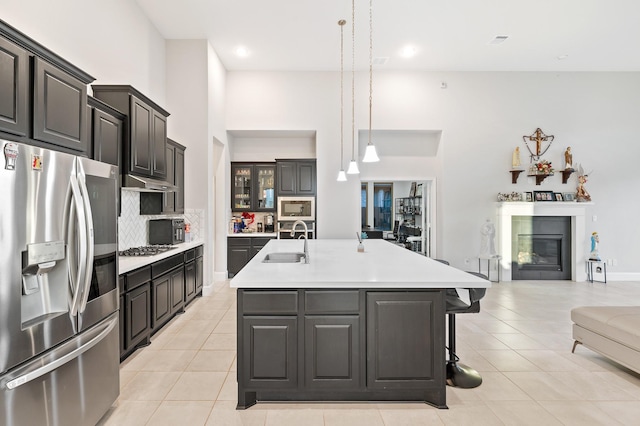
column 253, row 187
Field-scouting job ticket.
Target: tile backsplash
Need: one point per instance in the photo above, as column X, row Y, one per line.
column 133, row 230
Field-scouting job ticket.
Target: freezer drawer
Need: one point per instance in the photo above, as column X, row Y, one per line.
column 77, row 392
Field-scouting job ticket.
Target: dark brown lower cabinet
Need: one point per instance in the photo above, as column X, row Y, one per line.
column 199, row 270
column 400, row 350
column 332, row 351
column 350, row 345
column 240, row 250
column 151, row 295
column 138, row 307
column 189, row 281
column 161, row 305
column 272, row 343
column 168, row 297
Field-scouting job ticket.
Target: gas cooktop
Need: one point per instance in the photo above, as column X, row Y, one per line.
column 145, row 250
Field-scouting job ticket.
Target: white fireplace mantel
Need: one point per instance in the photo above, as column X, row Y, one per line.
column 506, row 210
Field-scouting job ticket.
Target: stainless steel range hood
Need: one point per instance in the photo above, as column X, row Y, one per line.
column 146, row 184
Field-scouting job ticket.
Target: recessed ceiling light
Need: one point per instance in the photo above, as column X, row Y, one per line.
column 408, row 51
column 561, row 57
column 380, row 60
column 499, row 39
column 242, row 51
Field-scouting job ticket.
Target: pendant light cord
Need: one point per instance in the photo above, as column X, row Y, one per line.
column 341, row 23
column 370, row 64
column 353, row 80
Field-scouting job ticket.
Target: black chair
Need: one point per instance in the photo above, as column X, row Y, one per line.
column 396, row 228
column 458, row 374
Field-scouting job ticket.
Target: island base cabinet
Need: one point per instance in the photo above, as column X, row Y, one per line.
column 402, row 338
column 332, row 351
column 271, row 345
column 341, row 345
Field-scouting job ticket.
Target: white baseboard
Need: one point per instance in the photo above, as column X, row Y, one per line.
column 623, row 276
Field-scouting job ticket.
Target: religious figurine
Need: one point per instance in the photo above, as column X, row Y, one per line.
column 568, row 159
column 488, row 240
column 515, row 158
column 594, row 255
column 538, row 137
column 581, row 194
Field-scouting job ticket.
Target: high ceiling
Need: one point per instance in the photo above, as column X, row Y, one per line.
column 448, row 35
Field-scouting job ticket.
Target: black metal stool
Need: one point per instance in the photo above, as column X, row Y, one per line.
column 458, row 374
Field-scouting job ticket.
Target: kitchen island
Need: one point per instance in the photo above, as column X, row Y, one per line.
column 347, row 326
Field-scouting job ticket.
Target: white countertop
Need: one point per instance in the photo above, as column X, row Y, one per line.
column 254, row 234
column 129, row 263
column 337, row 264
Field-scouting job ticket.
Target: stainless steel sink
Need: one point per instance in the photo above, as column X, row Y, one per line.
column 283, row 257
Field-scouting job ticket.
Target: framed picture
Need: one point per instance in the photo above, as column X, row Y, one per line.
column 528, row 196
column 412, row 193
column 543, row 195
column 568, row 196
column 558, row 196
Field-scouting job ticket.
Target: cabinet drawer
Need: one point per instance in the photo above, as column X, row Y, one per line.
column 164, row 266
column 239, row 241
column 260, row 241
column 199, row 251
column 189, row 255
column 137, row 278
column 331, row 302
column 269, row 302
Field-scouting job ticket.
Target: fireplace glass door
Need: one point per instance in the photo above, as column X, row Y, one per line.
column 541, row 248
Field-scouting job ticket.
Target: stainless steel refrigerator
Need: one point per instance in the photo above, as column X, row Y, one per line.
column 59, row 334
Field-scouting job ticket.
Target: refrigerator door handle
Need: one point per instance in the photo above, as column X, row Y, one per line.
column 78, row 252
column 45, row 369
column 86, row 284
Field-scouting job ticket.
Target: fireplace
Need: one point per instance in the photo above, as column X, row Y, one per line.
column 541, row 248
column 576, row 242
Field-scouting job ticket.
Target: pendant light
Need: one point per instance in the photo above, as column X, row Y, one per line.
column 370, row 154
column 353, row 165
column 342, row 176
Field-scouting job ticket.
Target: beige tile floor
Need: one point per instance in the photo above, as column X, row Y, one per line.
column 520, row 342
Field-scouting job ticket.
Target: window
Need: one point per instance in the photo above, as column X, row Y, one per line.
column 382, row 206
column 363, row 205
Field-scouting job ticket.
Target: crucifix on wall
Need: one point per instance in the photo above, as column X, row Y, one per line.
column 538, row 137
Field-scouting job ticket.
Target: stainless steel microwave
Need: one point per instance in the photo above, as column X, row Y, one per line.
column 166, row 231
column 297, row 208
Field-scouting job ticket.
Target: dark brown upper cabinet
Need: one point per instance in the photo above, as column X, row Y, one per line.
column 145, row 147
column 59, row 107
column 174, row 201
column 14, row 88
column 296, row 177
column 106, row 132
column 43, row 97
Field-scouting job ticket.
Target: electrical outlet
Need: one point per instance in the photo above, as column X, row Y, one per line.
column 615, row 262
column 594, row 218
column 609, row 262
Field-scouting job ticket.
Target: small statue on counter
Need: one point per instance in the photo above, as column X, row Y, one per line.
column 568, row 159
column 594, row 255
column 515, row 158
column 488, row 240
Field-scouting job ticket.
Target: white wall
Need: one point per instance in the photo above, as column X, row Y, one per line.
column 111, row 40
column 195, row 95
column 483, row 117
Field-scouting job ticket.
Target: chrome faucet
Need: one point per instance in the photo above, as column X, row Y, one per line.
column 306, row 236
